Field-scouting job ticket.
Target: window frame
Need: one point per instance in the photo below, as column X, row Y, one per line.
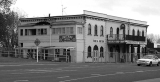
column 95, row 30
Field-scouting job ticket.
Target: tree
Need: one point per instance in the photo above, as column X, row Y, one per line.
column 150, row 44
column 9, row 21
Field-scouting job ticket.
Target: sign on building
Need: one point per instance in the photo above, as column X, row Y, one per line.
column 67, row 38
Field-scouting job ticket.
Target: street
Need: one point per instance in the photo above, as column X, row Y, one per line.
column 78, row 72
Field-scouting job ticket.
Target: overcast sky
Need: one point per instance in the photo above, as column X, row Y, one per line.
column 145, row 10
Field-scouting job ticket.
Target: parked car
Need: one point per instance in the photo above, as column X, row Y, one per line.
column 148, row 60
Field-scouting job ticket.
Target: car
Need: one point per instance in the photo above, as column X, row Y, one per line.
column 148, row 60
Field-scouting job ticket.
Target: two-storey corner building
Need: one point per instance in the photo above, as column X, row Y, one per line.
column 88, row 37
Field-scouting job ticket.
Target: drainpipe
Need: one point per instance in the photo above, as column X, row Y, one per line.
column 84, row 19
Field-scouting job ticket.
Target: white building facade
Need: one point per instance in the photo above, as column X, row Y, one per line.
column 93, row 37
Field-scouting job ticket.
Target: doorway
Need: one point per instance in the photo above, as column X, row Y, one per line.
column 95, row 54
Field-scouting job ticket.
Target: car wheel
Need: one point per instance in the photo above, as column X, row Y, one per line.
column 138, row 64
column 150, row 64
column 158, row 63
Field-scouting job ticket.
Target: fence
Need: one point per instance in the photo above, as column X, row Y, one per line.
column 95, row 56
column 33, row 55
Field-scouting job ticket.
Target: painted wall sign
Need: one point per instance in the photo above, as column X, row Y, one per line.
column 67, row 38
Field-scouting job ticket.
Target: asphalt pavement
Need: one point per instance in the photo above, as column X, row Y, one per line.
column 77, row 72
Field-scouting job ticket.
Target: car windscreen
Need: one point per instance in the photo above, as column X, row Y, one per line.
column 147, row 57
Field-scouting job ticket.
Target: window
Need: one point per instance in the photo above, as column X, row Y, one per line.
column 101, row 52
column 57, row 51
column 63, row 30
column 21, row 44
column 26, row 31
column 79, row 30
column 41, row 31
column 133, row 32
column 95, row 30
column 21, row 32
column 89, row 29
column 138, row 33
column 111, row 32
column 67, row 30
column 111, row 52
column 53, row 31
column 44, row 31
column 58, row 30
column 101, row 32
column 143, row 33
column 89, row 52
column 71, row 30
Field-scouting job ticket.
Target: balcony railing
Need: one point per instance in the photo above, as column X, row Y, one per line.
column 135, row 38
column 120, row 37
column 115, row 37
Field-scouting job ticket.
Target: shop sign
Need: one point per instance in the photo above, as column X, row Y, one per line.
column 67, row 38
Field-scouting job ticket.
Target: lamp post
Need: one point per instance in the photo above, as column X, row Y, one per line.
column 50, row 26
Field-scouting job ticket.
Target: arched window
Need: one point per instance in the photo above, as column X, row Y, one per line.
column 133, row 32
column 89, row 29
column 89, row 52
column 138, row 33
column 95, row 30
column 111, row 32
column 101, row 32
column 142, row 33
column 101, row 52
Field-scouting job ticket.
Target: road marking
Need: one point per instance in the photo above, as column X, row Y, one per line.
column 150, row 80
column 63, row 77
column 95, row 74
column 16, row 73
column 129, row 72
column 139, row 71
column 21, row 80
column 119, row 72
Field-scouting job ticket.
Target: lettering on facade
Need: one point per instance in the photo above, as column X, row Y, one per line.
column 67, row 38
column 114, row 41
column 100, row 41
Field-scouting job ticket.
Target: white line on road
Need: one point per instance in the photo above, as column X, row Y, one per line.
column 150, row 80
column 139, row 71
column 119, row 72
column 63, row 77
column 95, row 74
column 21, row 80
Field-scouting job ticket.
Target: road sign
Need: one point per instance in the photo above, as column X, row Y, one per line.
column 37, row 42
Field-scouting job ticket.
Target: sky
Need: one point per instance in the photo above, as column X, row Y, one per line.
column 144, row 10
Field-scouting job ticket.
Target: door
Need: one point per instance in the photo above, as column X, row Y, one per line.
column 95, row 56
column 155, row 60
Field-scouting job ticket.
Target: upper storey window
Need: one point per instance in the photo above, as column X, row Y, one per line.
column 143, row 33
column 63, row 30
column 89, row 29
column 138, row 33
column 111, row 32
column 133, row 32
column 95, row 30
column 21, row 32
column 101, row 31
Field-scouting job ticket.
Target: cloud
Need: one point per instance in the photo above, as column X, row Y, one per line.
column 147, row 10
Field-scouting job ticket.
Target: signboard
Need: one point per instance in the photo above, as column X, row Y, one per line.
column 37, row 42
column 67, row 38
